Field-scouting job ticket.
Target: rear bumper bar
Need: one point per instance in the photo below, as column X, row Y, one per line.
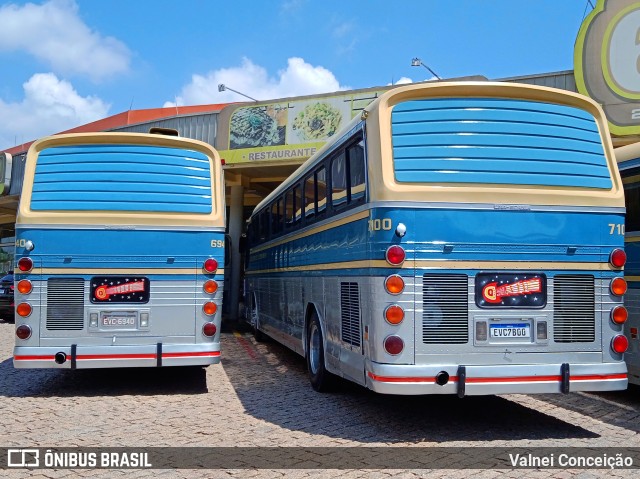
column 469, row 380
column 87, row 357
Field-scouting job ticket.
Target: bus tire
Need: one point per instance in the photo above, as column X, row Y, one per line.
column 321, row 379
column 258, row 335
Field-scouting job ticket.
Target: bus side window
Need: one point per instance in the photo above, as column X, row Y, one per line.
column 289, row 208
column 262, row 226
column 321, row 190
column 309, row 197
column 276, row 217
column 338, row 181
column 297, row 204
column 356, row 171
column 632, row 203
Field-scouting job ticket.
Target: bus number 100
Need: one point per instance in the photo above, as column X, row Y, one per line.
column 380, row 224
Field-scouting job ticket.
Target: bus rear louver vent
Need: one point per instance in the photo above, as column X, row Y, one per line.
column 350, row 313
column 65, row 304
column 445, row 314
column 574, row 309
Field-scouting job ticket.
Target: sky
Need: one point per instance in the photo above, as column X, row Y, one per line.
column 65, row 63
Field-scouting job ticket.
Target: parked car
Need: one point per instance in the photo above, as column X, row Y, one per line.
column 6, row 298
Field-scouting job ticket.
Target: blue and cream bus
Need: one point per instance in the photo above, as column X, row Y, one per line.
column 628, row 158
column 119, row 239
column 455, row 238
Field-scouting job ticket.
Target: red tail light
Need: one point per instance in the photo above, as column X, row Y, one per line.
column 618, row 286
column 619, row 315
column 209, row 329
column 619, row 344
column 618, row 258
column 23, row 309
column 210, row 265
column 395, row 255
column 23, row 331
column 393, row 345
column 25, row 264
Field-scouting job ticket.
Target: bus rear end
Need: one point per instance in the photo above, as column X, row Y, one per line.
column 628, row 158
column 505, row 246
column 119, row 253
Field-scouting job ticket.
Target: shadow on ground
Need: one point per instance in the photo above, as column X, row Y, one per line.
column 618, row 408
column 272, row 385
column 100, row 382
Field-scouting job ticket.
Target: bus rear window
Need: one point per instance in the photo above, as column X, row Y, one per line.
column 497, row 141
column 136, row 178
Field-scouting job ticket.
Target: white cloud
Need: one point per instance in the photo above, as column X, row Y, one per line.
column 55, row 34
column 299, row 78
column 50, row 105
column 403, row 81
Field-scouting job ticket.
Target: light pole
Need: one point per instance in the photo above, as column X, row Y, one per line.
column 223, row 87
column 416, row 62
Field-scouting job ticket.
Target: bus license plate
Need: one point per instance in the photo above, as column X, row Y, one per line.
column 118, row 321
column 521, row 330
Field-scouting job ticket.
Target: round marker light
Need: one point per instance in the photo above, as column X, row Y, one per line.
column 619, row 314
column 23, row 309
column 618, row 258
column 209, row 329
column 394, row 284
column 618, row 286
column 393, row 345
column 209, row 308
column 619, row 344
column 25, row 286
column 394, row 314
column 210, row 265
column 210, row 286
column 23, row 331
column 25, row 264
column 395, row 255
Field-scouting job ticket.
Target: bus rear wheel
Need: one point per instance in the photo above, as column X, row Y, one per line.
column 321, row 379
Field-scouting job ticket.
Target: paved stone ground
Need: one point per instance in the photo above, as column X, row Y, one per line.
column 260, row 396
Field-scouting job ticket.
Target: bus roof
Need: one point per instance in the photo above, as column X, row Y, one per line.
column 82, row 215
column 627, row 152
column 386, row 186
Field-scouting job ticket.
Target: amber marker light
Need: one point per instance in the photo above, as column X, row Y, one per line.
column 618, row 286
column 209, row 308
column 210, row 286
column 619, row 314
column 394, row 284
column 394, row 314
column 25, row 286
column 23, row 309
